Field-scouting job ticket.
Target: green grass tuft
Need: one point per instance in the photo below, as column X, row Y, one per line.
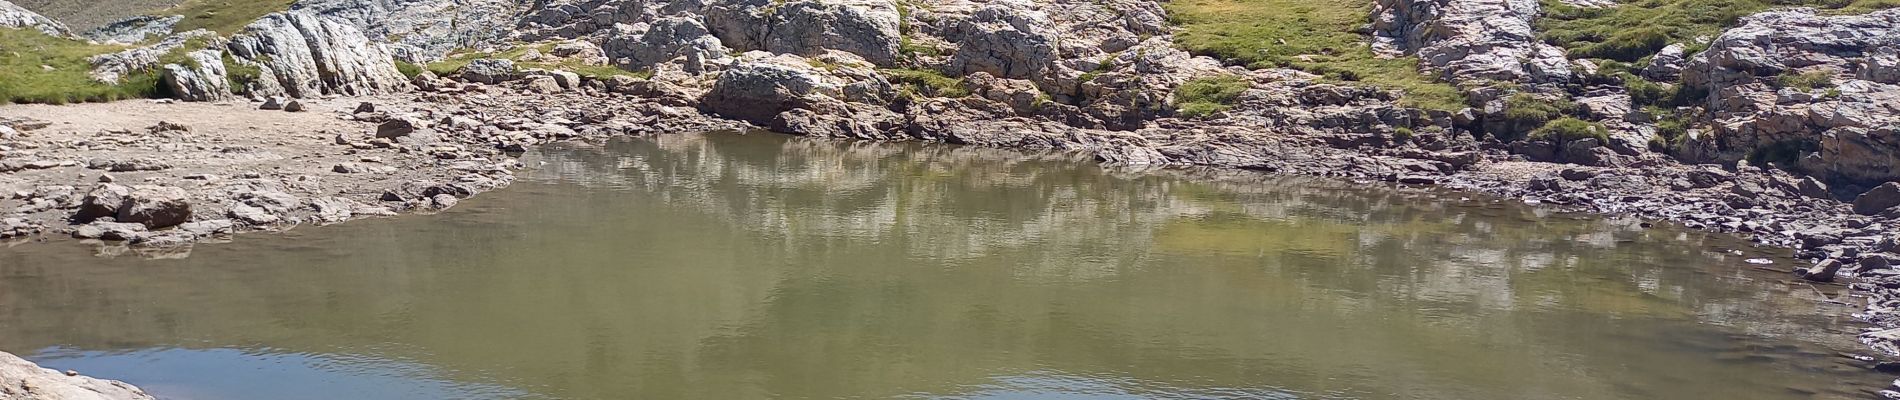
column 1203, row 97
column 1807, row 81
column 928, row 83
column 409, row 70
column 1568, row 129
column 1319, row 36
column 240, row 75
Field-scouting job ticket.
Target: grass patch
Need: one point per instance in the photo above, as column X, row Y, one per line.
column 409, row 70
column 1319, row 36
column 23, row 52
column 1569, row 129
column 1634, row 30
column 223, row 16
column 925, row 83
column 1807, row 81
column 1203, row 97
column 1524, row 112
column 241, row 75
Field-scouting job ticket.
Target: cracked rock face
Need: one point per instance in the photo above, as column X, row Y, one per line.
column 1470, row 40
column 1848, row 122
column 14, row 16
column 421, row 31
column 302, row 54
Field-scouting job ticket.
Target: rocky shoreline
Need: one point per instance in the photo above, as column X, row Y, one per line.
column 1792, row 142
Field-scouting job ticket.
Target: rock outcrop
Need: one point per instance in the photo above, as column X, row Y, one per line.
column 111, row 67
column 303, row 54
column 1821, row 88
column 14, row 16
column 204, row 79
column 22, row 380
column 420, row 31
column 133, row 30
column 1470, row 40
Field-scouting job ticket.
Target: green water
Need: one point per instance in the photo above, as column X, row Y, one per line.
column 758, row 266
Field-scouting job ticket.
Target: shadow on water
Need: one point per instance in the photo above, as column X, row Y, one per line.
column 753, row 266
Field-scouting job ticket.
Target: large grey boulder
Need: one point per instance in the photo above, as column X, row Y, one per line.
column 205, row 79
column 21, row 379
column 867, row 28
column 1845, row 106
column 102, row 201
column 156, row 207
column 133, row 30
column 756, row 91
column 490, row 71
column 1470, row 40
column 1666, row 65
column 1008, row 39
column 14, row 16
column 303, row 54
column 644, row 44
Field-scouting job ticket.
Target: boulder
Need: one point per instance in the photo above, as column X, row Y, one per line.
column 1882, row 198
column 1005, row 39
column 757, row 91
column 102, row 201
column 1666, row 65
column 399, row 127
column 543, row 84
column 304, row 53
column 664, row 39
column 489, row 71
column 156, row 207
column 206, row 79
column 866, row 28
column 1470, row 40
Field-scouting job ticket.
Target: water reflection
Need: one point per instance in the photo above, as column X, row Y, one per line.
column 728, row 266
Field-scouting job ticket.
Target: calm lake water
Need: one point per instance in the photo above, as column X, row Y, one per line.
column 729, row 266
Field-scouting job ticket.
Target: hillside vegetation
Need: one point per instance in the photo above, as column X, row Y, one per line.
column 223, row 16
column 1319, row 36
column 1636, row 30
column 37, row 68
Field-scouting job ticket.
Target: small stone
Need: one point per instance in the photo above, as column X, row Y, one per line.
column 347, row 168
column 294, row 106
column 106, row 178
column 364, row 107
column 273, row 103
column 1824, row 271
